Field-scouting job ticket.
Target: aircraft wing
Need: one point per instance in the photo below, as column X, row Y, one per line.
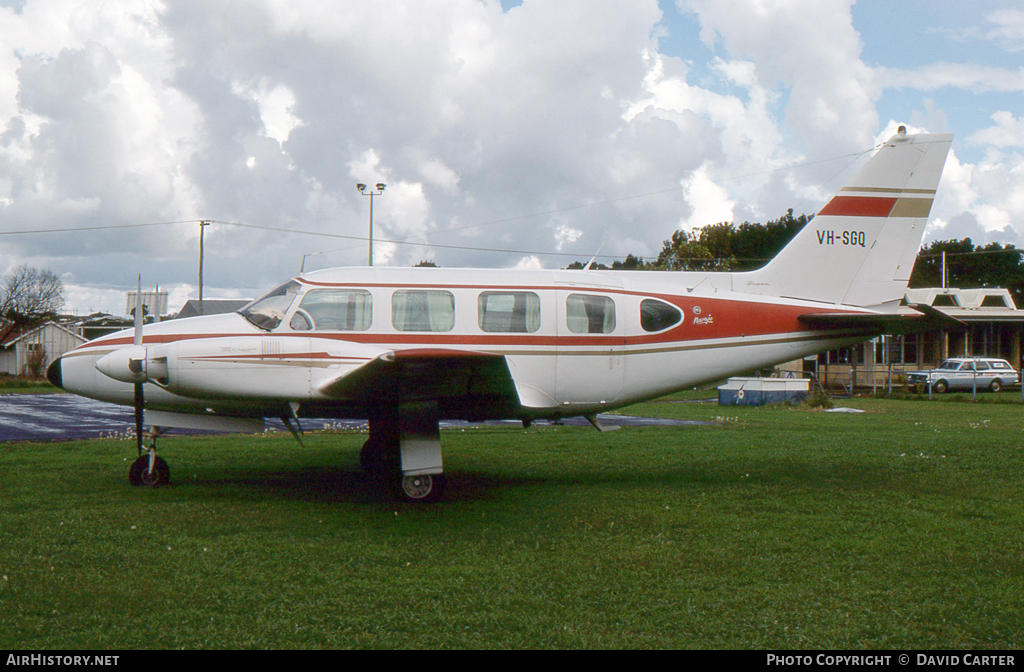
column 466, row 383
column 927, row 318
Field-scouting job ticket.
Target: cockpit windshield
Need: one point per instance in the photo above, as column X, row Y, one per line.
column 267, row 311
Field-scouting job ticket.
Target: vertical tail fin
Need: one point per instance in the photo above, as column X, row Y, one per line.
column 860, row 248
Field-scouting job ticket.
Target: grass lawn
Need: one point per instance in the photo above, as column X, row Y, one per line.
column 12, row 385
column 902, row 527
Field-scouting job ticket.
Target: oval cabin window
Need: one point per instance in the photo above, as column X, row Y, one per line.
column 658, row 315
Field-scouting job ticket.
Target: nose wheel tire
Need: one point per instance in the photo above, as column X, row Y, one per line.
column 140, row 474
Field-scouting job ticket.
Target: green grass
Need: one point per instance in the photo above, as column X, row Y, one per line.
column 21, row 385
column 902, row 527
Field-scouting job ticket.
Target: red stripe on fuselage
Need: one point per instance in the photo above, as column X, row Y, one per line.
column 858, row 206
column 703, row 319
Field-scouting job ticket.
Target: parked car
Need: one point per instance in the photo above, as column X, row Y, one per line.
column 964, row 373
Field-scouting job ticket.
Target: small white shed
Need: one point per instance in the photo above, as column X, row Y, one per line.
column 29, row 353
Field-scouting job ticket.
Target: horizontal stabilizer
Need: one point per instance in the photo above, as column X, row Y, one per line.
column 927, row 318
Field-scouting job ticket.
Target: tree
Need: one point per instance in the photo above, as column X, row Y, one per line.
column 971, row 267
column 630, row 263
column 727, row 247
column 685, row 252
column 29, row 297
column 718, row 247
column 755, row 244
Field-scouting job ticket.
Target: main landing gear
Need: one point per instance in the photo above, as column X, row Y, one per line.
column 404, row 452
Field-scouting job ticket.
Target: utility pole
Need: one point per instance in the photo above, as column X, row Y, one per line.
column 362, row 190
column 203, row 223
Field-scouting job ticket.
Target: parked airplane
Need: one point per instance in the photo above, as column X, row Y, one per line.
column 408, row 347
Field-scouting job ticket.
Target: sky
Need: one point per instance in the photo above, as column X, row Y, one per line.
column 509, row 134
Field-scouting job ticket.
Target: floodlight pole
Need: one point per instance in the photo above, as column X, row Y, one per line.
column 202, row 229
column 362, row 190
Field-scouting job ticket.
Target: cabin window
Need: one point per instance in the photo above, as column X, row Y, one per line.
column 422, row 310
column 334, row 310
column 658, row 315
column 589, row 314
column 508, row 312
column 267, row 311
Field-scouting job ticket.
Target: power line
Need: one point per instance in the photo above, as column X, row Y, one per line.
column 399, row 242
column 407, row 241
column 96, row 228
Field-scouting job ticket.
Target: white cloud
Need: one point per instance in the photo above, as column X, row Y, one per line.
column 812, row 49
column 1009, row 30
column 276, row 107
column 967, row 76
column 566, row 234
column 710, row 203
column 530, row 263
column 500, row 125
column 1008, row 131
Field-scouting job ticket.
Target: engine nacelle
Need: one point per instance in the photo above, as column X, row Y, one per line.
column 240, row 367
column 134, row 364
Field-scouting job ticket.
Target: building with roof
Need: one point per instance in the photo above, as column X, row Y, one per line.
column 28, row 353
column 993, row 327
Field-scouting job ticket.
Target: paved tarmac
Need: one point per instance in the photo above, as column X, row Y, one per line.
column 61, row 417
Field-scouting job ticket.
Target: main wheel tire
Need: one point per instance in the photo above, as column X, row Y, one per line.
column 139, row 473
column 996, row 385
column 940, row 387
column 422, row 489
column 371, row 458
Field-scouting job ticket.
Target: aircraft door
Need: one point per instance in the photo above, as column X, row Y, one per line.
column 590, row 354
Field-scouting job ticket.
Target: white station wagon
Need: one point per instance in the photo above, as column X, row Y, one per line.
column 965, row 373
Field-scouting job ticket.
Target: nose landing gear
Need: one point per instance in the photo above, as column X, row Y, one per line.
column 150, row 469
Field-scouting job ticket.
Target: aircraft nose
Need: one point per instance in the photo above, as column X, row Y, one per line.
column 53, row 374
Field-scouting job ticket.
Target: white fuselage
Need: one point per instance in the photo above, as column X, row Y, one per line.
column 575, row 342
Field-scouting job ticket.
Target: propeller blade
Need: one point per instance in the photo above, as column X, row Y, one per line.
column 138, row 313
column 139, row 395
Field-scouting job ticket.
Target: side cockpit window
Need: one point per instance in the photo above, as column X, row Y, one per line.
column 658, row 315
column 589, row 314
column 334, row 310
column 267, row 311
